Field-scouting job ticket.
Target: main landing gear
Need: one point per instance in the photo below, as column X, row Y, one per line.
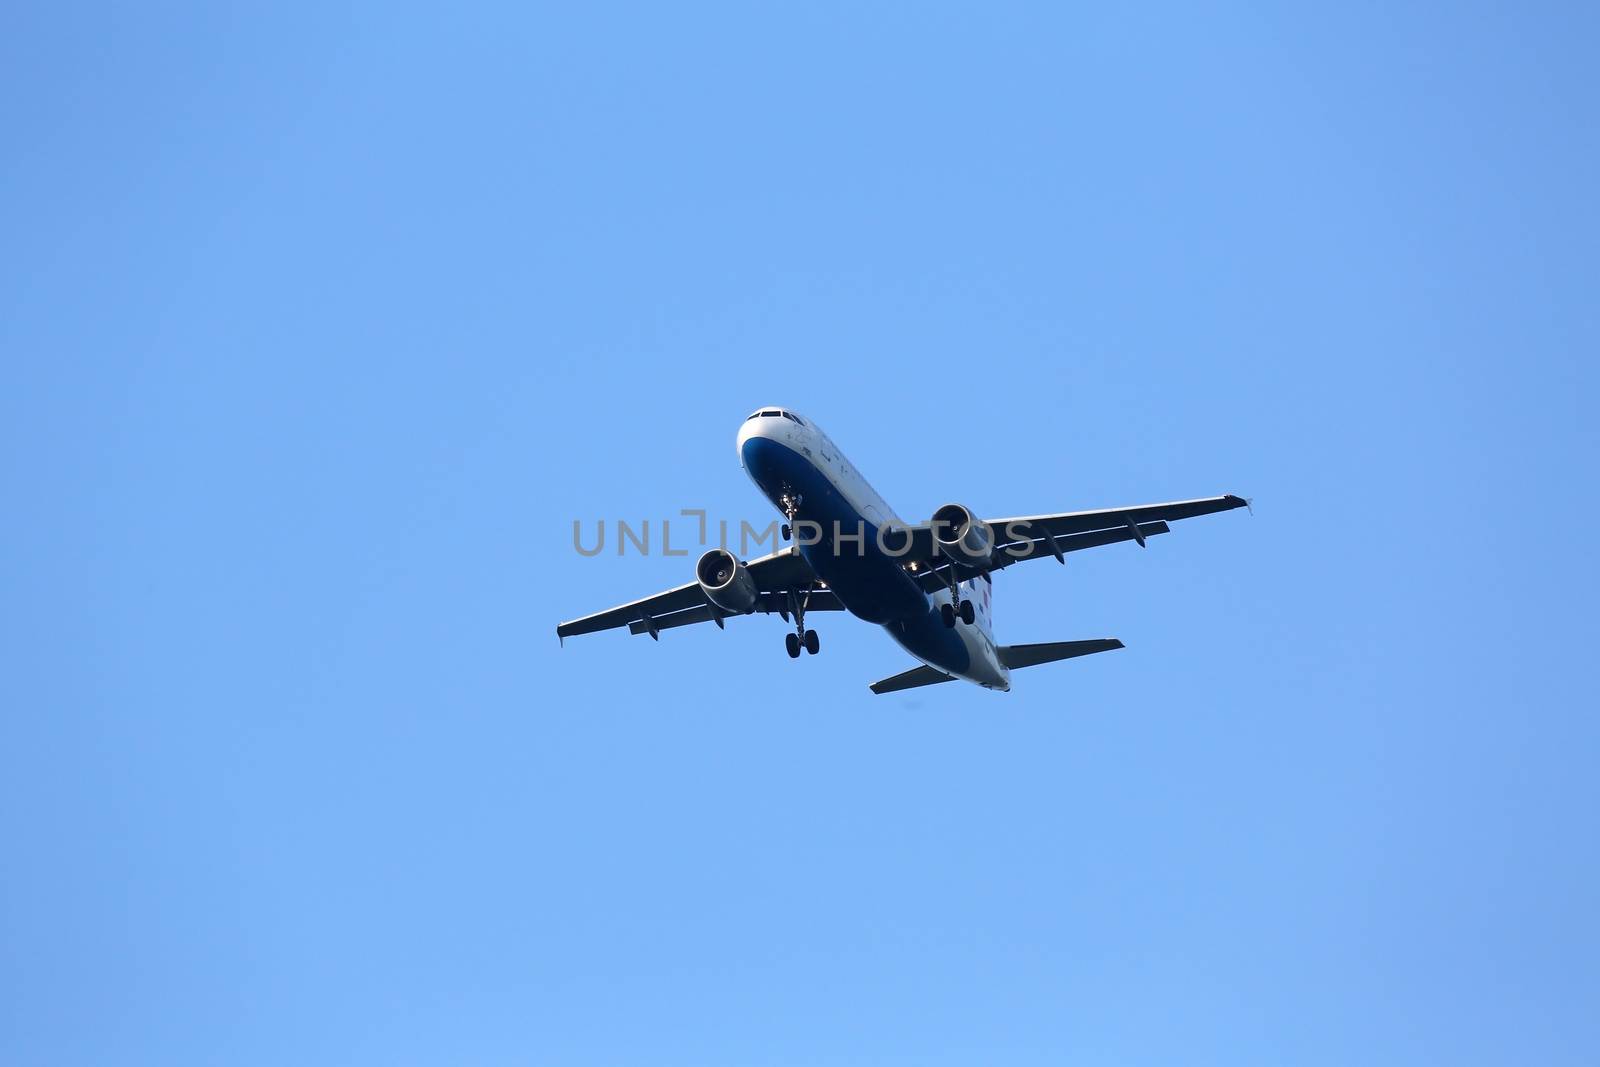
column 957, row 608
column 802, row 637
column 948, row 615
column 806, row 639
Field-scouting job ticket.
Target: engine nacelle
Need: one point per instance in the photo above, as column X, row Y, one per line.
column 962, row 537
column 727, row 582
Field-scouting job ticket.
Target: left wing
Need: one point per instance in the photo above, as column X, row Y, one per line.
column 777, row 576
column 1031, row 536
column 933, row 577
column 1026, row 527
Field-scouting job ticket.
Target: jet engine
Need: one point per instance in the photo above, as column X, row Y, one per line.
column 726, row 582
column 962, row 537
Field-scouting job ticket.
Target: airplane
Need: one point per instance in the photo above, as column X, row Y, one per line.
column 930, row 586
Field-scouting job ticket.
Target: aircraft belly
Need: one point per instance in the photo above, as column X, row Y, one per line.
column 868, row 582
column 872, row 588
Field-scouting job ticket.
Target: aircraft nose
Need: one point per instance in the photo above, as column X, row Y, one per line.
column 747, row 431
column 754, row 429
column 751, row 440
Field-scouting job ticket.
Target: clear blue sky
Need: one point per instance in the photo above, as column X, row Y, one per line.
column 319, row 327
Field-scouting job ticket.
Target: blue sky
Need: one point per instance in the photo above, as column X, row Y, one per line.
column 319, row 327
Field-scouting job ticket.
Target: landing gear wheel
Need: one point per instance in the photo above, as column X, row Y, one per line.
column 811, row 642
column 792, row 643
column 967, row 614
column 784, row 531
column 947, row 614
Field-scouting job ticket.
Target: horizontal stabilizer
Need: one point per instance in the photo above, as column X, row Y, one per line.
column 1014, row 656
column 916, row 676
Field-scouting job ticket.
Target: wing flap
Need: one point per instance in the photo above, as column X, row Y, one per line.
column 1018, row 551
column 770, row 603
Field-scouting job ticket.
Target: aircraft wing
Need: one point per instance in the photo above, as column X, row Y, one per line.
column 770, row 603
column 933, row 578
column 1033, row 536
column 775, row 575
column 1079, row 522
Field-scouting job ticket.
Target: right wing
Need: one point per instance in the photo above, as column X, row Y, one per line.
column 1034, row 536
column 1113, row 524
column 776, row 576
column 1031, row 536
column 933, row 578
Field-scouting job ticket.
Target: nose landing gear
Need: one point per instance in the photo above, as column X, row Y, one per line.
column 791, row 508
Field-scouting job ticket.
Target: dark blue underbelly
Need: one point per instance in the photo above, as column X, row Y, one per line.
column 929, row 639
column 869, row 583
